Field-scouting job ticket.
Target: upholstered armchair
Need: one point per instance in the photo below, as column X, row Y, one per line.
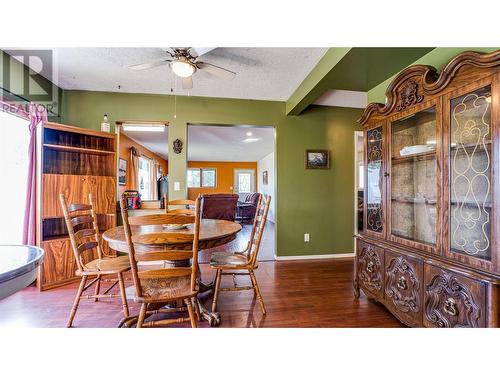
column 246, row 210
column 219, row 206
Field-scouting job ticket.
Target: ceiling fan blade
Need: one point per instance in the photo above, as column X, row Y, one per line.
column 216, row 70
column 149, row 65
column 198, row 51
column 187, row 83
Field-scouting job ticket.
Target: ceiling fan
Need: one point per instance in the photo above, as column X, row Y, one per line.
column 184, row 62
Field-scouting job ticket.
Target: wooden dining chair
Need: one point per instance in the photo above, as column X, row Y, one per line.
column 83, row 230
column 244, row 262
column 187, row 203
column 155, row 285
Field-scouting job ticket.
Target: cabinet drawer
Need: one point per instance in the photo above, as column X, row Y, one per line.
column 452, row 300
column 404, row 287
column 371, row 269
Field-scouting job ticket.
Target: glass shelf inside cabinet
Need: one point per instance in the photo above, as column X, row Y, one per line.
column 413, row 177
column 470, row 174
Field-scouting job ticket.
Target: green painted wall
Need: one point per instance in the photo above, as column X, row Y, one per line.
column 437, row 58
column 308, row 201
column 318, row 202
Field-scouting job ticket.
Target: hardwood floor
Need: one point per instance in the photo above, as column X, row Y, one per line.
column 297, row 294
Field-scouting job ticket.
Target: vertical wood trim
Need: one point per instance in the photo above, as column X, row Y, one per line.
column 39, row 200
column 495, row 169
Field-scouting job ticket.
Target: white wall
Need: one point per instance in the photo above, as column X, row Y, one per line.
column 267, row 164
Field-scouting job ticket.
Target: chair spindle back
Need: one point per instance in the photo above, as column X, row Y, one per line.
column 152, row 247
column 83, row 228
column 258, row 226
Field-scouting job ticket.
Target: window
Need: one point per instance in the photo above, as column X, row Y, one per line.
column 14, row 163
column 208, row 177
column 244, row 183
column 144, row 176
column 193, row 177
column 201, row 177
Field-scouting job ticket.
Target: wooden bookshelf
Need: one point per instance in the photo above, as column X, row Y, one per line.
column 76, row 162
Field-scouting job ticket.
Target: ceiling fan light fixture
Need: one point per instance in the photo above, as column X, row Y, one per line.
column 182, row 68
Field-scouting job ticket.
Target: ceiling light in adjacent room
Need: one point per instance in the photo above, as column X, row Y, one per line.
column 249, row 134
column 183, row 68
column 143, row 127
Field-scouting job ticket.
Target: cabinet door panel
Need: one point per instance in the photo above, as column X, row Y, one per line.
column 58, row 264
column 72, row 186
column 374, row 216
column 76, row 189
column 452, row 300
column 414, row 184
column 104, row 191
column 371, row 270
column 471, row 187
column 403, row 287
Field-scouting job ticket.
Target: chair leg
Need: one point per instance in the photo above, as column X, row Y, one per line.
column 189, row 305
column 97, row 288
column 197, row 309
column 77, row 301
column 123, row 294
column 218, row 277
column 142, row 315
column 257, row 291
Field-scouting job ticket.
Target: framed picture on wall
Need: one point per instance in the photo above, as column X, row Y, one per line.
column 264, row 178
column 317, row 159
column 122, row 172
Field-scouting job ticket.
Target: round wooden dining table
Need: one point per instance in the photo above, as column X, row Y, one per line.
column 213, row 233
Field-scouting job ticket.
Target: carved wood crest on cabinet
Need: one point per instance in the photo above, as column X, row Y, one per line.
column 409, row 95
column 402, row 285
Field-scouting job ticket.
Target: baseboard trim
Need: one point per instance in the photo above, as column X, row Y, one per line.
column 312, row 257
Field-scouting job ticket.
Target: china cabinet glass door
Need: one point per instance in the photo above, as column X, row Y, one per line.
column 470, row 173
column 374, row 180
column 413, row 189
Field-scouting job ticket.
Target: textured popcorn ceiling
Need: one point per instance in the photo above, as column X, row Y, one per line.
column 262, row 73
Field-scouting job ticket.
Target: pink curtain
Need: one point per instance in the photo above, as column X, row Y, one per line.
column 37, row 115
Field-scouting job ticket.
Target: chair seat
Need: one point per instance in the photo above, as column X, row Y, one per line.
column 162, row 290
column 227, row 260
column 108, row 265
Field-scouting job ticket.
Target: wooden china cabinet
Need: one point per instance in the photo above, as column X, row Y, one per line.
column 430, row 247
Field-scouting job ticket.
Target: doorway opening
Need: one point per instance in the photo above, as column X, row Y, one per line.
column 143, row 160
column 235, row 160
